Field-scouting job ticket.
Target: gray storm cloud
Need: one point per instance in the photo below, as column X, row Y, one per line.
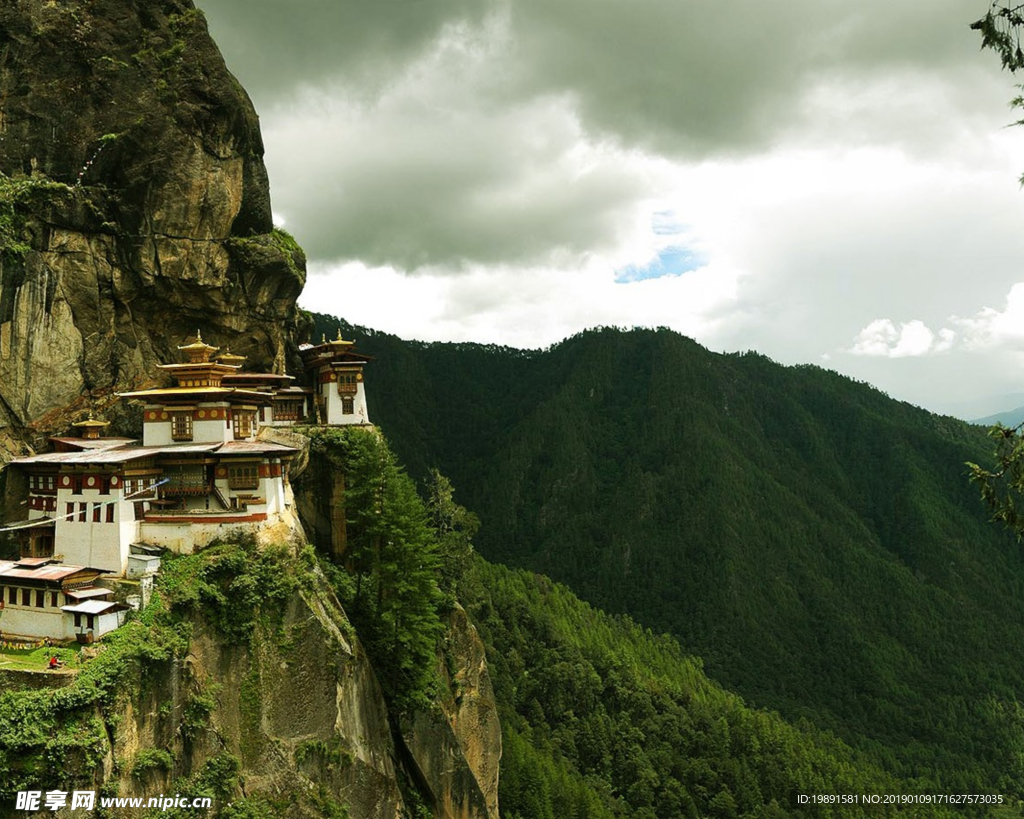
column 442, row 148
column 843, row 163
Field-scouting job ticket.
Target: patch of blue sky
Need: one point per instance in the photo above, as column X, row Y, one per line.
column 670, row 261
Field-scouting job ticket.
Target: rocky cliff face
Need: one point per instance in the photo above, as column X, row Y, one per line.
column 245, row 681
column 456, row 747
column 134, row 207
column 452, row 752
column 299, row 709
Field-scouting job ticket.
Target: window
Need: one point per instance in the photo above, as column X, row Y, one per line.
column 12, row 596
column 105, row 485
column 139, row 487
column 242, row 424
column 76, row 484
column 53, row 599
column 181, row 426
column 78, row 620
column 26, row 597
column 244, row 476
column 186, row 479
column 70, row 515
column 287, row 410
column 40, row 598
column 82, row 508
column 110, row 513
column 347, row 406
column 96, row 513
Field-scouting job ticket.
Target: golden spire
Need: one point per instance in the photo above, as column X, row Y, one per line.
column 340, row 344
column 229, row 358
column 91, row 427
column 198, row 351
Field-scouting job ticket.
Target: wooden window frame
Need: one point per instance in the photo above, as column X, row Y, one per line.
column 181, row 426
column 243, row 424
column 244, row 476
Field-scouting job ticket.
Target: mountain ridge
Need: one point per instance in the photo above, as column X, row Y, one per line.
column 816, row 542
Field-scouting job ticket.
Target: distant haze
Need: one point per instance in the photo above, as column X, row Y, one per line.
column 823, row 182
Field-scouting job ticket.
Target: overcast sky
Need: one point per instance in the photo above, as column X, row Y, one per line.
column 824, row 182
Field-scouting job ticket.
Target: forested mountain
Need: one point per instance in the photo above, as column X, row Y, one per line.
column 815, row 542
column 601, row 718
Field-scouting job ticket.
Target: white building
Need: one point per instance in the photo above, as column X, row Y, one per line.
column 42, row 597
column 337, row 374
column 96, row 505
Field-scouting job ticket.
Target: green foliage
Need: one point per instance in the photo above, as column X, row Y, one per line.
column 195, row 718
column 149, row 759
column 284, row 240
column 330, row 755
column 601, row 718
column 455, row 527
column 814, row 541
column 269, row 248
column 392, row 553
column 231, row 583
column 15, row 196
column 232, row 586
column 1002, row 489
column 58, row 730
column 293, row 254
column 217, row 779
column 1000, row 30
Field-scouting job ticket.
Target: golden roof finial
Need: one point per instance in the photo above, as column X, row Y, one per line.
column 198, row 351
column 91, row 427
column 229, row 358
column 340, row 344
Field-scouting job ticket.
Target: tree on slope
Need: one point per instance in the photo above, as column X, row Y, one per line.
column 1002, row 488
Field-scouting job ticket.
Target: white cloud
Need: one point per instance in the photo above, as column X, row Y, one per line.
column 991, row 328
column 525, row 307
column 478, row 170
column 913, row 338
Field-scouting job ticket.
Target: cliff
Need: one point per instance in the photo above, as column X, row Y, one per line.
column 246, row 682
column 134, row 208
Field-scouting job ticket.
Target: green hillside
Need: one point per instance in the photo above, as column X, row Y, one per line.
column 601, row 718
column 814, row 541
